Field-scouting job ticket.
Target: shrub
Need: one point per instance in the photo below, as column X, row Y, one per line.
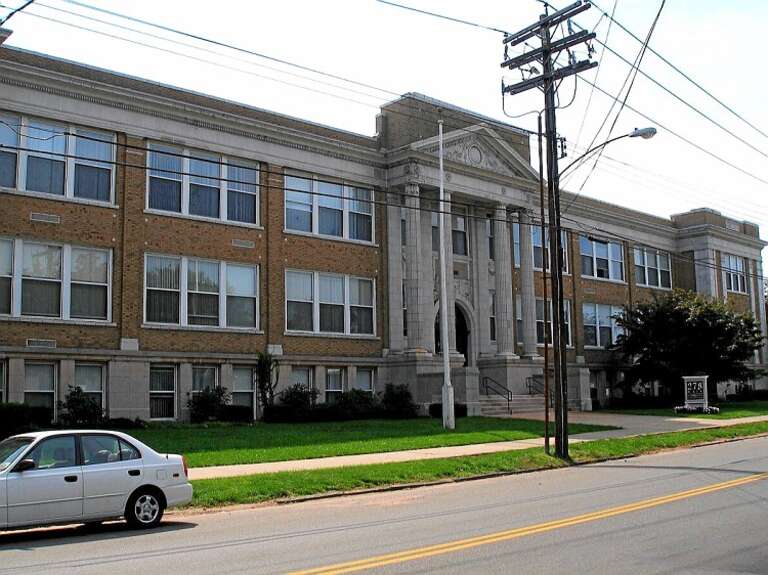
column 277, row 413
column 206, row 405
column 124, row 423
column 436, row 410
column 298, row 396
column 78, row 410
column 397, row 402
column 236, row 413
column 19, row 418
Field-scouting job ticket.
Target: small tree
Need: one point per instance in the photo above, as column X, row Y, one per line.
column 206, row 405
column 267, row 376
column 687, row 334
column 78, row 409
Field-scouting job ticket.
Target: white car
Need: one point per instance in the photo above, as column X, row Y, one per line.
column 56, row 477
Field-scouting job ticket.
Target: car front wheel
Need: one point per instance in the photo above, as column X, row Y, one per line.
column 144, row 509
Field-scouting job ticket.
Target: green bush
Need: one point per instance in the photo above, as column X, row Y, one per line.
column 298, row 396
column 236, row 413
column 436, row 410
column 397, row 402
column 206, row 405
column 79, row 410
column 19, row 418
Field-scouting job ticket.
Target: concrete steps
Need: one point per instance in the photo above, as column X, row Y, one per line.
column 494, row 405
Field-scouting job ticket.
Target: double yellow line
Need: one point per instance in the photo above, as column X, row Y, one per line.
column 461, row 544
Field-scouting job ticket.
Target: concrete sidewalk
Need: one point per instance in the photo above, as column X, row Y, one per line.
column 629, row 424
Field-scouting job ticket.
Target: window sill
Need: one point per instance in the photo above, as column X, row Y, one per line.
column 660, row 288
column 58, row 321
column 362, row 337
column 604, row 280
column 203, row 219
column 598, row 348
column 330, row 238
column 203, row 328
column 736, row 292
column 58, row 198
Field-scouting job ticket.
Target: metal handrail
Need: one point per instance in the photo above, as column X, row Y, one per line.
column 535, row 386
column 490, row 384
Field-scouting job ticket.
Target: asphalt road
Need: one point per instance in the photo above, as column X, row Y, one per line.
column 605, row 518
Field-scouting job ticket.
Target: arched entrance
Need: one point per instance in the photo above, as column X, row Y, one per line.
column 462, row 334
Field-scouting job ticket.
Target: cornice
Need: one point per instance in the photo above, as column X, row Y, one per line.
column 720, row 233
column 93, row 92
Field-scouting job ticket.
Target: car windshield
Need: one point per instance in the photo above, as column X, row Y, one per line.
column 10, row 449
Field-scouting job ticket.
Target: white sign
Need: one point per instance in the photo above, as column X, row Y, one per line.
column 696, row 392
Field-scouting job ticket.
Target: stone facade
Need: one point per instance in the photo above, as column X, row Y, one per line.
column 494, row 201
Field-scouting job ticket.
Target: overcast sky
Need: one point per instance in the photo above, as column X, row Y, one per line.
column 717, row 43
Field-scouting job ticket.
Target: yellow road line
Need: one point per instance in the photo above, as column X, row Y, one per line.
column 461, row 544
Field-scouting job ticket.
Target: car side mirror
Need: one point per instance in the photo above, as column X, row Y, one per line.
column 25, row 465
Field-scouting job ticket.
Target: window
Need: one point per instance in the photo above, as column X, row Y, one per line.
column 162, row 392
column 56, row 281
column 90, row 378
column 601, row 259
column 516, row 243
column 2, row 382
column 329, row 303
column 302, row 376
column 328, row 208
column 202, row 184
column 128, row 452
column 54, row 453
column 89, row 289
column 541, row 249
column 243, row 386
column 242, row 296
column 299, row 298
column 40, row 385
column 364, row 379
column 42, row 164
column 360, row 214
column 735, row 276
column 544, row 331
column 93, row 165
column 459, row 232
column 162, row 279
column 435, row 218
column 100, row 449
column 6, row 274
column 204, row 377
column 361, row 306
column 490, row 226
column 41, row 280
column 8, row 156
column 334, row 384
column 243, row 192
column 204, row 293
column 652, row 268
column 600, row 327
column 492, row 314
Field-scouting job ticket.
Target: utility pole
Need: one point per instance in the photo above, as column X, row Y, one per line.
column 544, row 286
column 547, row 81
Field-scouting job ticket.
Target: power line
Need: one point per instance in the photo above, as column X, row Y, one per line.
column 444, row 17
column 15, row 11
column 684, row 75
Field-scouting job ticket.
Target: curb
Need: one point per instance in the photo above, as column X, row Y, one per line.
column 448, row 480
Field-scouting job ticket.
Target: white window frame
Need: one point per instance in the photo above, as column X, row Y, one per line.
column 594, row 257
column 216, row 376
column 519, row 320
column 642, row 253
column 315, row 195
column 342, row 381
column 372, row 372
column 68, row 157
column 54, row 392
column 310, row 374
column 10, row 277
column 65, row 281
column 184, row 295
column 615, row 329
column 516, row 247
column 456, row 214
column 735, row 274
column 186, row 177
column 252, row 391
column 316, row 306
column 103, row 368
column 175, row 369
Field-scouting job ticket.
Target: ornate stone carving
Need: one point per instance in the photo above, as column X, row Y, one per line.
column 472, row 151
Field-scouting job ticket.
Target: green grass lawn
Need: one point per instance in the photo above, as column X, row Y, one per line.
column 728, row 410
column 233, row 444
column 266, row 487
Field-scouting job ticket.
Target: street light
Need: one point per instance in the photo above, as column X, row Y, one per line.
column 644, row 133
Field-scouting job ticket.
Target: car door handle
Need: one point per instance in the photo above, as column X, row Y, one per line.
column 70, row 478
column 134, row 472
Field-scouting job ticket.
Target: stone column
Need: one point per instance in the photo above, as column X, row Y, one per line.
column 184, row 387
column 527, row 292
column 16, row 377
column 414, row 281
column 706, row 281
column 395, row 278
column 450, row 288
column 481, row 282
column 505, row 316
